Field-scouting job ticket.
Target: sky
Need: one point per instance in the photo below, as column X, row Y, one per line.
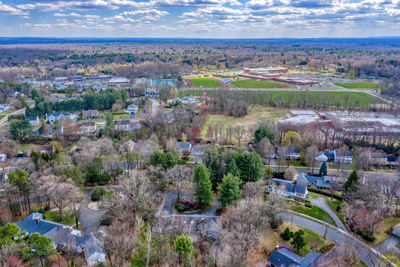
column 199, row 18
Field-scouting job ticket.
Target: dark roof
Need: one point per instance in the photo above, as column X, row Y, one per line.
column 184, row 145
column 34, row 223
column 290, row 187
column 330, row 154
column 286, row 258
column 392, row 158
column 310, row 259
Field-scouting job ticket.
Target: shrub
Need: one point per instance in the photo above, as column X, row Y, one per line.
column 98, row 193
column 308, row 205
column 286, row 235
column 338, row 208
column 274, row 224
column 326, row 248
column 279, row 175
column 106, row 221
column 366, row 236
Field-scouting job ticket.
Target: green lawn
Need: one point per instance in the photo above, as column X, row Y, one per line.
column 358, row 85
column 315, row 212
column 204, row 82
column 333, row 204
column 53, row 216
column 291, row 99
column 251, row 83
column 2, row 116
column 120, row 116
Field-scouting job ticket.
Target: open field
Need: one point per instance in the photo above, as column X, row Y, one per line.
column 255, row 113
column 252, row 83
column 299, row 99
column 356, row 85
column 204, row 82
column 313, row 240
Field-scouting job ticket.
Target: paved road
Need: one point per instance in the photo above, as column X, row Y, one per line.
column 389, row 245
column 321, row 203
column 155, row 106
column 367, row 254
column 5, row 119
column 90, row 219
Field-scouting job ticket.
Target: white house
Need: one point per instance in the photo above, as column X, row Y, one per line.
column 4, row 107
column 127, row 125
column 56, row 116
column 343, row 156
column 152, row 93
column 132, row 109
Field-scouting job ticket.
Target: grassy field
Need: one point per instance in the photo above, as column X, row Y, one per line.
column 204, row 82
column 120, row 116
column 251, row 83
column 356, row 85
column 315, row 212
column 256, row 113
column 2, row 116
column 299, row 99
column 313, row 240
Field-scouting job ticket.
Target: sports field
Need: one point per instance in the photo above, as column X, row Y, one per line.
column 364, row 85
column 251, row 83
column 204, row 82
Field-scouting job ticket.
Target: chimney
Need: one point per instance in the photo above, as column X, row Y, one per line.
column 37, row 220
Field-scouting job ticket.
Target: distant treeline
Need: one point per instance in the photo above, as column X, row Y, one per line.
column 348, row 100
column 101, row 101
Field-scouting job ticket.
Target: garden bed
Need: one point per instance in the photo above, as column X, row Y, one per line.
column 187, row 206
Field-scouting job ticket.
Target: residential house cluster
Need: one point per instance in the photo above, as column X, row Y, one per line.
column 288, row 188
column 64, row 236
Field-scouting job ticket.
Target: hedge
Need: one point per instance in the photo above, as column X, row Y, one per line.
column 322, row 192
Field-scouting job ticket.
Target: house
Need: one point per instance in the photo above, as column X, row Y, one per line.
column 283, row 257
column 379, row 158
column 393, row 161
column 321, row 157
column 291, row 153
column 396, row 230
column 181, row 147
column 152, row 93
column 287, row 188
column 4, row 107
column 198, row 152
column 132, row 109
column 324, row 182
column 56, row 116
column 34, row 120
column 46, row 149
column 86, row 128
column 64, row 236
column 3, row 157
column 127, row 125
column 187, row 100
column 330, row 154
column 343, row 156
column 90, row 114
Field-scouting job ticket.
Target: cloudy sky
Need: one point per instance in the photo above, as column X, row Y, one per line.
column 200, row 18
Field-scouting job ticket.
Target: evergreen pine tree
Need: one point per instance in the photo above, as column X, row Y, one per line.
column 229, row 190
column 323, row 171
